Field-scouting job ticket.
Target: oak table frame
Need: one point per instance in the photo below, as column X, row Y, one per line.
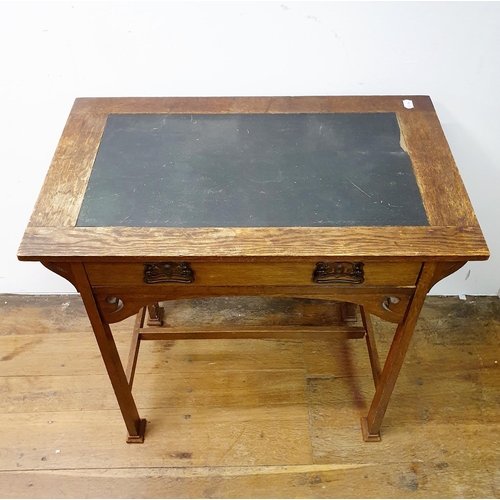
column 107, row 264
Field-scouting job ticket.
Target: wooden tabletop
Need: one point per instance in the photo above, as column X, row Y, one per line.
column 245, row 178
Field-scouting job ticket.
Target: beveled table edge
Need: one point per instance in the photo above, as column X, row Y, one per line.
column 117, row 243
column 251, row 104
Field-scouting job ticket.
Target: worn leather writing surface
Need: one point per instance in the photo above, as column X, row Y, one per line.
column 244, row 170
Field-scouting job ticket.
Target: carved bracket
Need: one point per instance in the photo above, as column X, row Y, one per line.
column 168, row 272
column 386, row 303
column 62, row 269
column 339, row 272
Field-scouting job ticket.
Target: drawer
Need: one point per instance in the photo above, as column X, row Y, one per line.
column 293, row 273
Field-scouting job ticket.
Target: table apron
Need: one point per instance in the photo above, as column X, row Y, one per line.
column 298, row 273
column 119, row 302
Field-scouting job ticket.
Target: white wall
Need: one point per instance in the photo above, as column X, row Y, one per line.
column 52, row 52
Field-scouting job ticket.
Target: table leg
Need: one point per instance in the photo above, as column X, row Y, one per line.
column 371, row 345
column 155, row 314
column 370, row 425
column 348, row 312
column 135, row 425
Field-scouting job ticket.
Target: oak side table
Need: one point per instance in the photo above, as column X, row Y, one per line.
column 349, row 199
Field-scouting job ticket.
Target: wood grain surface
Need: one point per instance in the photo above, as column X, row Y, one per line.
column 112, row 244
column 64, row 187
column 443, row 193
column 272, row 104
column 255, row 274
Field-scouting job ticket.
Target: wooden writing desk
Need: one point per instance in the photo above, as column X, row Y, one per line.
column 350, row 199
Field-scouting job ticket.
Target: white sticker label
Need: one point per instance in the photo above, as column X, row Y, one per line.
column 408, row 103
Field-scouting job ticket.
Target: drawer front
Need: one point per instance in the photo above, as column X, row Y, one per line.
column 318, row 274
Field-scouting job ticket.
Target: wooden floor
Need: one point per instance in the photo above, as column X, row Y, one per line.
column 249, row 418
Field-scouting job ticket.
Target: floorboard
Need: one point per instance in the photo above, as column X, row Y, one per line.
column 249, row 418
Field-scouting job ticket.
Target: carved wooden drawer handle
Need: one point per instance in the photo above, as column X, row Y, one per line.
column 168, row 272
column 339, row 272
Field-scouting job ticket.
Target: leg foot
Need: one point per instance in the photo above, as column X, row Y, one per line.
column 140, row 437
column 367, row 437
